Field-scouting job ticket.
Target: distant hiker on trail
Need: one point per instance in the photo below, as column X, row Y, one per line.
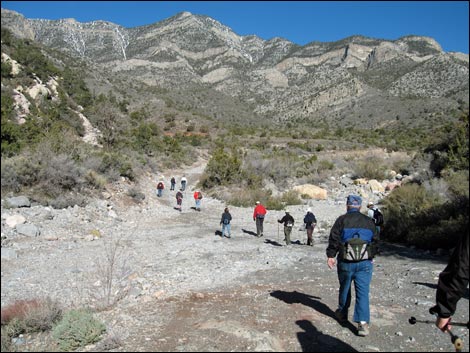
column 258, row 215
column 288, row 221
column 310, row 223
column 225, row 222
column 376, row 215
column 179, row 199
column 160, row 187
column 351, row 238
column 197, row 198
column 183, row 183
column 173, row 183
column 452, row 284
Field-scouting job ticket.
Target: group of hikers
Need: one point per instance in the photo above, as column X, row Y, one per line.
column 352, row 246
column 179, row 194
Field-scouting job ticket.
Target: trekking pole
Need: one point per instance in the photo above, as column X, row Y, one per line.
column 278, row 240
column 456, row 340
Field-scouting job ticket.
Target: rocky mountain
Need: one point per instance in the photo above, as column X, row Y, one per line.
column 357, row 81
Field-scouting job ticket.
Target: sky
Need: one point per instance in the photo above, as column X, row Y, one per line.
column 300, row 22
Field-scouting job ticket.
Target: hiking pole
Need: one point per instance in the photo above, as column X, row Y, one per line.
column 412, row 320
column 278, row 240
column 456, row 340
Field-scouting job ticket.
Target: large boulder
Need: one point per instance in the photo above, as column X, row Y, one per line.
column 19, row 201
column 375, row 186
column 312, row 191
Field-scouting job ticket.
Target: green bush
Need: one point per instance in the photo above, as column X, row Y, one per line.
column 420, row 217
column 222, row 169
column 372, row 168
column 77, row 329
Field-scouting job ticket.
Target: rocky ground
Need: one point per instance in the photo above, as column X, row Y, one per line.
column 178, row 286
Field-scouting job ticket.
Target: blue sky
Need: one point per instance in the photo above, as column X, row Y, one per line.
column 300, row 22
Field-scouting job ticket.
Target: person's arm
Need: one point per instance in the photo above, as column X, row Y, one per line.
column 334, row 242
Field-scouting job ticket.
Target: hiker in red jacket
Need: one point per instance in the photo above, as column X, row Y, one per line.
column 197, row 198
column 258, row 216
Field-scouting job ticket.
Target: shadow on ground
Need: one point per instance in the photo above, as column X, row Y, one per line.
column 312, row 302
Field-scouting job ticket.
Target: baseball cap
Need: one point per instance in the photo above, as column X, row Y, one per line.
column 354, row 201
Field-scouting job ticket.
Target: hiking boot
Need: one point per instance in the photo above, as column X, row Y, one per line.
column 340, row 316
column 362, row 329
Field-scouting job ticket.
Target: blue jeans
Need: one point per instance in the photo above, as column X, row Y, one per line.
column 226, row 229
column 198, row 204
column 361, row 274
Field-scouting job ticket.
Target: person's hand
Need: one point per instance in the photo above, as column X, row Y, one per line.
column 331, row 262
column 443, row 323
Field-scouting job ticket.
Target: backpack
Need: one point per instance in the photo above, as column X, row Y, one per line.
column 309, row 219
column 357, row 244
column 378, row 217
column 199, row 196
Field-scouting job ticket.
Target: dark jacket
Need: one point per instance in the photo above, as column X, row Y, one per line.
column 227, row 216
column 352, row 219
column 286, row 219
column 453, row 281
column 309, row 219
column 179, row 195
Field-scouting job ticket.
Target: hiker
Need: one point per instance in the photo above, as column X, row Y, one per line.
column 172, row 183
column 374, row 213
column 288, row 221
column 160, row 187
column 225, row 222
column 310, row 223
column 352, row 241
column 258, row 215
column 197, row 198
column 179, row 199
column 183, row 183
column 452, row 285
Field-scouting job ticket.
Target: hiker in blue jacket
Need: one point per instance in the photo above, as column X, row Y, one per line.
column 352, row 242
column 225, row 223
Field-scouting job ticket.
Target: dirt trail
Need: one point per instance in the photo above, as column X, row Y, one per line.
column 191, row 290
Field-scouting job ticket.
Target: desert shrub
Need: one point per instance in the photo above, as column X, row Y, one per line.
column 95, row 179
column 17, row 172
column 27, row 316
column 136, row 194
column 59, row 173
column 77, row 329
column 111, row 272
column 458, row 183
column 222, row 169
column 419, row 216
column 116, row 164
column 245, row 197
column 6, row 344
column 6, row 69
column 291, row 198
column 371, row 168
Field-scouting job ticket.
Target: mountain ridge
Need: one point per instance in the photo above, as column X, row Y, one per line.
column 284, row 81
